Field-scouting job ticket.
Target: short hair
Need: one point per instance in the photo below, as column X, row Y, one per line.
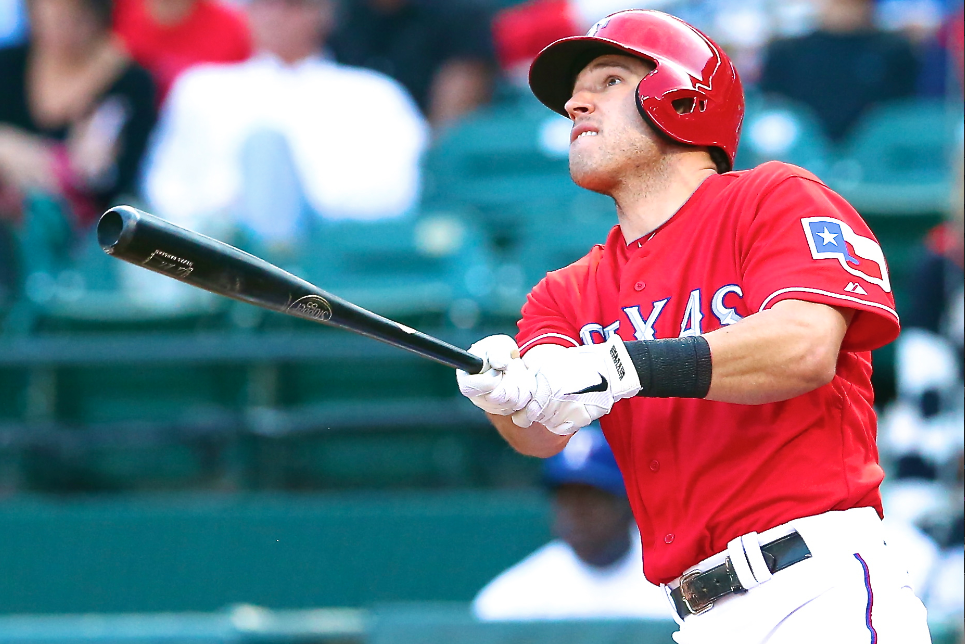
column 102, row 10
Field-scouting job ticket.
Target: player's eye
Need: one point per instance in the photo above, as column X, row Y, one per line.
column 611, row 81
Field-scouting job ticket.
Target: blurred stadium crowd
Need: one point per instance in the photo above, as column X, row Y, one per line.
column 389, row 151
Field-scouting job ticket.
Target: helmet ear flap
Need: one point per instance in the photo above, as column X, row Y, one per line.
column 677, row 105
column 644, row 106
column 667, row 96
column 663, row 109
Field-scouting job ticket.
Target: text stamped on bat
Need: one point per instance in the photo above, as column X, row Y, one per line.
column 170, row 264
column 311, row 307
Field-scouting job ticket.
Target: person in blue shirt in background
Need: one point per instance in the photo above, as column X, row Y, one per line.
column 592, row 569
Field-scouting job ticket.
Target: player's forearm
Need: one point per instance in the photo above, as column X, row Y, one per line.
column 534, row 440
column 777, row 354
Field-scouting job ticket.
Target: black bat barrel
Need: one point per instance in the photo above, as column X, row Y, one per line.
column 157, row 245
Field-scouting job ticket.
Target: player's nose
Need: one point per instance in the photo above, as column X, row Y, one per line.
column 580, row 104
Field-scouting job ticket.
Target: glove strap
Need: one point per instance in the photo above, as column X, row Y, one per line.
column 672, row 368
column 624, row 381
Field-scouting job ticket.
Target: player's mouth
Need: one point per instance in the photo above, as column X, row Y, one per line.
column 582, row 131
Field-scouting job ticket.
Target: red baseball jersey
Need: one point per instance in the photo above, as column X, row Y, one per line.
column 699, row 473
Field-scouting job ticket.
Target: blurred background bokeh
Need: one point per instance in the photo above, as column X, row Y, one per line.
column 178, row 467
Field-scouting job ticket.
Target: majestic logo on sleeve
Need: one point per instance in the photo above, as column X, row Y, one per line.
column 831, row 238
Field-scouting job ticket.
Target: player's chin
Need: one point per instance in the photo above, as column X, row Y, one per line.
column 588, row 175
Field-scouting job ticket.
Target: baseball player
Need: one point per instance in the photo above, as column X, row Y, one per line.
column 722, row 335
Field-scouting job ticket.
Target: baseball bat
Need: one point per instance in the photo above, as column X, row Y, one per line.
column 160, row 246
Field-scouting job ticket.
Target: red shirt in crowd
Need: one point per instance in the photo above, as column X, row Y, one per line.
column 699, row 473
column 210, row 33
column 521, row 32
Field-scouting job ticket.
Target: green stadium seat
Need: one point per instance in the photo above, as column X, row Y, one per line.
column 149, row 468
column 497, row 158
column 13, row 393
column 549, row 238
column 429, row 269
column 778, row 129
column 70, row 284
column 393, row 458
column 92, row 394
column 133, row 426
column 898, row 158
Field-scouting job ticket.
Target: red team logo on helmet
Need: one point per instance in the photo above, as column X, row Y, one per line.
column 693, row 95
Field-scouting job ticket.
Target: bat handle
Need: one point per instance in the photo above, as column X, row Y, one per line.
column 473, row 364
column 447, row 354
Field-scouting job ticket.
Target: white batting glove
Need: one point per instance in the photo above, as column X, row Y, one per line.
column 575, row 386
column 505, row 385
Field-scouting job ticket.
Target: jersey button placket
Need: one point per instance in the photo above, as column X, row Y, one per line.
column 669, row 538
column 655, row 465
column 639, row 286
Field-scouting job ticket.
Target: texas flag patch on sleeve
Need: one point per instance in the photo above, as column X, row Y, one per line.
column 831, row 238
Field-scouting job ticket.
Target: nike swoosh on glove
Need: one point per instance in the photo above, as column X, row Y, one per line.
column 505, row 385
column 577, row 385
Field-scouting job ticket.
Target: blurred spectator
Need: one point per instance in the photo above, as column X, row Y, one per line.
column 440, row 51
column 522, row 31
column 945, row 596
column 843, row 68
column 924, row 430
column 955, row 42
column 917, row 19
column 75, row 113
column 285, row 137
column 169, row 36
column 942, row 59
column 593, row 569
column 13, row 22
column 921, row 432
column 743, row 28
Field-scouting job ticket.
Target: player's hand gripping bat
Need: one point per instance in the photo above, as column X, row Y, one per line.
column 145, row 240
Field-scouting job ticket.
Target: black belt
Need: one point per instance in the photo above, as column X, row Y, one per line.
column 698, row 591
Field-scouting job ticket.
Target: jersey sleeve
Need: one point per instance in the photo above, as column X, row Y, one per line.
column 805, row 242
column 543, row 320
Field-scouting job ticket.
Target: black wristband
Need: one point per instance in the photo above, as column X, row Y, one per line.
column 672, row 368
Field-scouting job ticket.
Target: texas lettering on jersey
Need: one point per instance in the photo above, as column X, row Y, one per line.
column 644, row 320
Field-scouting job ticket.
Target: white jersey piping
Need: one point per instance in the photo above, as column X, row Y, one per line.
column 802, row 289
column 549, row 335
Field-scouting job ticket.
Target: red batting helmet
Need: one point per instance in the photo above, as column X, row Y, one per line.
column 688, row 66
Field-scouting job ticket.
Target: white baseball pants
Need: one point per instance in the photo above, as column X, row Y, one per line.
column 851, row 591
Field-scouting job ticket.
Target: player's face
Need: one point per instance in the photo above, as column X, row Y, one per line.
column 594, row 523
column 67, row 27
column 290, row 29
column 610, row 141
